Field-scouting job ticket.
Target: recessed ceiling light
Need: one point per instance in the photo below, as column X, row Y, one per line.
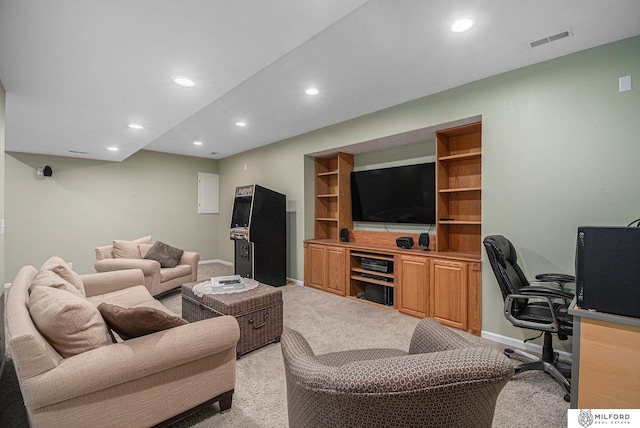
column 461, row 25
column 183, row 81
column 113, row 149
column 241, row 123
column 312, row 91
column 135, row 126
column 197, row 143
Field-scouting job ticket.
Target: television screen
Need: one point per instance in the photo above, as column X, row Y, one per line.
column 403, row 194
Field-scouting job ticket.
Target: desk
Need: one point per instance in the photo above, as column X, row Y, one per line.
column 606, row 360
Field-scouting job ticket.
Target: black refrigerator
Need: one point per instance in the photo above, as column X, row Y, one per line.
column 258, row 227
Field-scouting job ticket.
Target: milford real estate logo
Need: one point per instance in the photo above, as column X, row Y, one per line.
column 585, row 418
column 602, row 417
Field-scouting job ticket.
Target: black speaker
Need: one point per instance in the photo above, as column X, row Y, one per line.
column 423, row 241
column 607, row 270
column 405, row 242
column 344, row 235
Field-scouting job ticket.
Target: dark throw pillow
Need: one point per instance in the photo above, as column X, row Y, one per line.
column 166, row 255
column 135, row 322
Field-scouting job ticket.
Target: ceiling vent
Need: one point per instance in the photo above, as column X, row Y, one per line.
column 213, row 153
column 78, row 152
column 549, row 39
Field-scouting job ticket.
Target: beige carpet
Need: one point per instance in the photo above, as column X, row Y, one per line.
column 332, row 323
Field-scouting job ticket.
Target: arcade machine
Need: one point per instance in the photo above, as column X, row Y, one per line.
column 258, row 227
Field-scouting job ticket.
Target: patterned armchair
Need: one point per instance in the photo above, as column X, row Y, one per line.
column 444, row 381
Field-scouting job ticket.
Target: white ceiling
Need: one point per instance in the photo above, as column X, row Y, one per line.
column 76, row 72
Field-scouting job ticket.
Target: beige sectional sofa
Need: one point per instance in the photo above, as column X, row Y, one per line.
column 157, row 278
column 71, row 374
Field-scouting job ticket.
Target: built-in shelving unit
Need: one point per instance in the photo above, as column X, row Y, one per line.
column 443, row 283
column 332, row 195
column 459, row 188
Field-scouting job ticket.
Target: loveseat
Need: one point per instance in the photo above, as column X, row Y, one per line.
column 74, row 371
column 160, row 274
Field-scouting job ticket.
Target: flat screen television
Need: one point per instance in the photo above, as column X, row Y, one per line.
column 402, row 194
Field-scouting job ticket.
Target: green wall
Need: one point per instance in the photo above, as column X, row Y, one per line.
column 560, row 149
column 88, row 203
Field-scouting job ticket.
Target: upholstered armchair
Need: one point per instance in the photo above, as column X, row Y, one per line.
column 161, row 273
column 443, row 381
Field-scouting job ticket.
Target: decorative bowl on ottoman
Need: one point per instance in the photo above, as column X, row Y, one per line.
column 258, row 312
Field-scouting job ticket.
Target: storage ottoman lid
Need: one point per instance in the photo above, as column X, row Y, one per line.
column 238, row 303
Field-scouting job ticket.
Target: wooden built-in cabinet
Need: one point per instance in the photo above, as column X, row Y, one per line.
column 412, row 294
column 444, row 283
column 445, row 286
column 448, row 288
column 325, row 267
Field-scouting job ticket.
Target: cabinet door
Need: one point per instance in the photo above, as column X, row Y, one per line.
column 336, row 270
column 448, row 286
column 315, row 262
column 412, row 285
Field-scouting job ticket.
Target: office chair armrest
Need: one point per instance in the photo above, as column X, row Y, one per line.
column 546, row 291
column 552, row 326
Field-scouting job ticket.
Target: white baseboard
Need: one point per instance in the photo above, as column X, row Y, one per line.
column 295, row 281
column 222, row 262
column 519, row 344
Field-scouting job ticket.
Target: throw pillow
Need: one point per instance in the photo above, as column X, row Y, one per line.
column 47, row 278
column 62, row 269
column 126, row 250
column 70, row 323
column 135, row 322
column 129, row 249
column 166, row 255
column 144, row 249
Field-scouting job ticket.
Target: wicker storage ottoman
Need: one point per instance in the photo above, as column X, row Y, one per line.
column 258, row 311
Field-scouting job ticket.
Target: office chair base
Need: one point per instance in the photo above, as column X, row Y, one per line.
column 555, row 369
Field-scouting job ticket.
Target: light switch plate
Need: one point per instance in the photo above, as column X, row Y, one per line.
column 624, row 83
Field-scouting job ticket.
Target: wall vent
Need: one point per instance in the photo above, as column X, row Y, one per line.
column 549, row 39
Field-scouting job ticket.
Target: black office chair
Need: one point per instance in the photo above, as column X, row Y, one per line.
column 540, row 306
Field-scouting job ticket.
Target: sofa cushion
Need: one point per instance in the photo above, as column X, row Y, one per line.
column 62, row 269
column 165, row 254
column 70, row 323
column 130, row 297
column 140, row 321
column 167, row 274
column 47, row 278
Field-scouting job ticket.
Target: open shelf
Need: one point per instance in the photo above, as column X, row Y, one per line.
column 459, row 188
column 360, row 282
column 332, row 195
